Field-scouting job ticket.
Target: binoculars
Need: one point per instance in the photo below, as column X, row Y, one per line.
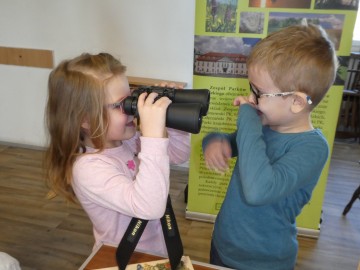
column 184, row 113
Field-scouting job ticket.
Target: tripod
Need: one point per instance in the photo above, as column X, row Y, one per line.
column 355, row 196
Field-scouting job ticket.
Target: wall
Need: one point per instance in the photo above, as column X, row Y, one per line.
column 152, row 38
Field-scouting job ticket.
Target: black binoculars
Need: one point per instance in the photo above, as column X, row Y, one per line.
column 184, row 113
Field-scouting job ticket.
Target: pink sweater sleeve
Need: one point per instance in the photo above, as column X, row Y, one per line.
column 105, row 181
column 179, row 146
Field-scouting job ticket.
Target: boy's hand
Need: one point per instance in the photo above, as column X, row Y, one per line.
column 217, row 155
column 152, row 114
column 240, row 100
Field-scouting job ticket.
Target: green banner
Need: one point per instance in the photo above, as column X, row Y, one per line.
column 225, row 32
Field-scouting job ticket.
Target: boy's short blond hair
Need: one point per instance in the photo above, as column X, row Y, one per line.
column 297, row 58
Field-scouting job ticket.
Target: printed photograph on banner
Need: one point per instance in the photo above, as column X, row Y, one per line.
column 251, row 22
column 280, row 3
column 337, row 4
column 332, row 23
column 221, row 16
column 222, row 56
column 342, row 71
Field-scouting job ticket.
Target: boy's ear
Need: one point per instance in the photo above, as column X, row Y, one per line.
column 299, row 103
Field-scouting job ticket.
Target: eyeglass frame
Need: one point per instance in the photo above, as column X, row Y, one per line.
column 118, row 105
column 282, row 94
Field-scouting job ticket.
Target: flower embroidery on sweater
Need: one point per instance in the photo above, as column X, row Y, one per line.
column 131, row 164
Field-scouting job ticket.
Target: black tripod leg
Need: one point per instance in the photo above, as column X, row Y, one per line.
column 355, row 196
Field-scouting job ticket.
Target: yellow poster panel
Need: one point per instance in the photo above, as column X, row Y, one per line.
column 225, row 32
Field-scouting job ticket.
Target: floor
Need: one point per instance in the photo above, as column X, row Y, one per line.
column 52, row 234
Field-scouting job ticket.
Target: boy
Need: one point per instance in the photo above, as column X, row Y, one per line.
column 280, row 155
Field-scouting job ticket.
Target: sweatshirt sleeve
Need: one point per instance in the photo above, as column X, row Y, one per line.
column 266, row 179
column 179, row 146
column 230, row 138
column 104, row 181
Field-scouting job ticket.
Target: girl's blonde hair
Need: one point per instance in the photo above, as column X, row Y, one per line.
column 297, row 58
column 76, row 93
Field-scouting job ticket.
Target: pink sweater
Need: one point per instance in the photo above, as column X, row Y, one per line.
column 123, row 182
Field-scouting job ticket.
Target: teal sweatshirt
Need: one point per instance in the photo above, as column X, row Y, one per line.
column 273, row 178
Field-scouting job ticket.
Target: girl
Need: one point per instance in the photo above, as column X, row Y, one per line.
column 97, row 156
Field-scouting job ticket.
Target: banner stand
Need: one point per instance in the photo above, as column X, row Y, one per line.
column 200, row 216
column 225, row 33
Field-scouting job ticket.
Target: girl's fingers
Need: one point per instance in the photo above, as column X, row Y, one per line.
column 141, row 99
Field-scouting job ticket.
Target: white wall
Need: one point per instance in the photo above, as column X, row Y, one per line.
column 153, row 39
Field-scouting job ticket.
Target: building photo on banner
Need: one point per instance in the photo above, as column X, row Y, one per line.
column 225, row 33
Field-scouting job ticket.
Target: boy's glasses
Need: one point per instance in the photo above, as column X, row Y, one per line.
column 257, row 94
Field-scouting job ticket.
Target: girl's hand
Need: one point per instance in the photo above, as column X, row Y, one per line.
column 217, row 155
column 152, row 114
column 171, row 85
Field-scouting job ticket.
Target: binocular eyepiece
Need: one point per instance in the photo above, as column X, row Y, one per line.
column 184, row 113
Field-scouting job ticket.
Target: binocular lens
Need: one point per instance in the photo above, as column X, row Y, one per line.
column 184, row 116
column 201, row 96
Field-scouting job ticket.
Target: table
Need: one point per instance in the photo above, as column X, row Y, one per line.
column 104, row 257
